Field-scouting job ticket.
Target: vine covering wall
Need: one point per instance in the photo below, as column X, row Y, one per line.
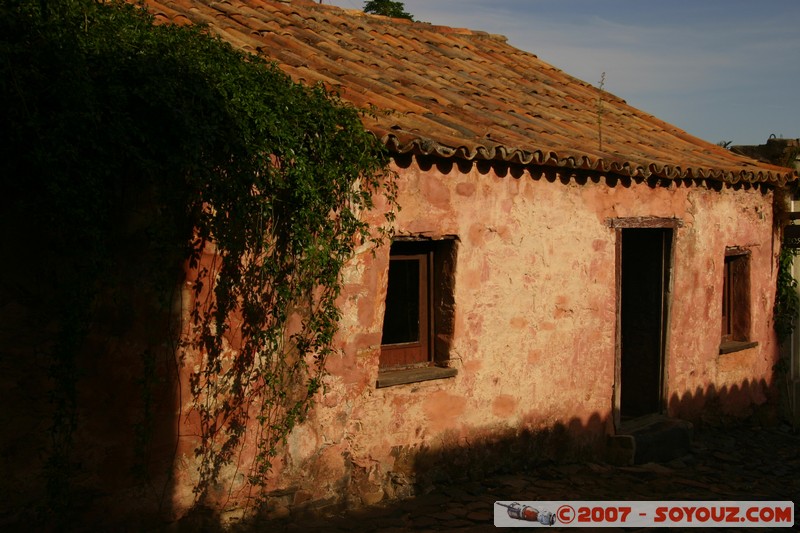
column 111, row 122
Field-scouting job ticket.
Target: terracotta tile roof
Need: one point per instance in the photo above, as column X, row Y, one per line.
column 454, row 92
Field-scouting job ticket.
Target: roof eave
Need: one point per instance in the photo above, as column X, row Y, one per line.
column 421, row 145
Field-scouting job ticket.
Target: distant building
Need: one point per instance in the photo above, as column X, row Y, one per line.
column 775, row 151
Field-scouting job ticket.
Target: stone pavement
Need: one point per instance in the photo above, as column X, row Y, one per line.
column 739, row 463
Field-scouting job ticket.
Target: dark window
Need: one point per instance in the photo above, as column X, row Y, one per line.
column 406, row 324
column 418, row 320
column 726, row 300
column 736, row 297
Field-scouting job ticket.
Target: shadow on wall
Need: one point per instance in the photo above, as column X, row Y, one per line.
column 456, row 463
column 89, row 436
column 510, row 450
column 506, row 450
column 718, row 405
column 457, row 459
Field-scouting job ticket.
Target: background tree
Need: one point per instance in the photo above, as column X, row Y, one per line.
column 387, row 8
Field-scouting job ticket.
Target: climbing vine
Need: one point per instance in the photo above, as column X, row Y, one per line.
column 787, row 303
column 785, row 313
column 256, row 183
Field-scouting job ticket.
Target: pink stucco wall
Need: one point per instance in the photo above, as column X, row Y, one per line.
column 535, row 325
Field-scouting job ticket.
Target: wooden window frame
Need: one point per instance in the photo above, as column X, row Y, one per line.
column 428, row 357
column 735, row 319
column 727, row 303
column 416, row 352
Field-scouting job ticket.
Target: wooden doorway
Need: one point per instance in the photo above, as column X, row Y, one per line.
column 644, row 263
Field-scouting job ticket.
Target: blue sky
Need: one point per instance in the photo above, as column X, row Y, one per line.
column 723, row 70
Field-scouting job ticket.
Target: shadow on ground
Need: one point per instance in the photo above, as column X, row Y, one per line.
column 744, row 462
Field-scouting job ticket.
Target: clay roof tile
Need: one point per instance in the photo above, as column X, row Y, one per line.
column 455, row 92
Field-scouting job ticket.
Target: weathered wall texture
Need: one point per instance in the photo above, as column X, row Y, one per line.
column 697, row 373
column 534, row 343
column 535, row 328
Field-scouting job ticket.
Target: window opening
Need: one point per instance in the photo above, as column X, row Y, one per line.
column 418, row 316
column 406, row 328
column 735, row 316
column 726, row 301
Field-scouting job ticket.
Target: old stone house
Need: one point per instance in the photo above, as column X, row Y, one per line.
column 562, row 264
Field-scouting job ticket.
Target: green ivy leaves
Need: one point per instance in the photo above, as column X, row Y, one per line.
column 107, row 116
column 787, row 303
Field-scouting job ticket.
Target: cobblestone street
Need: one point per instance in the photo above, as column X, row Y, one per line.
column 741, row 463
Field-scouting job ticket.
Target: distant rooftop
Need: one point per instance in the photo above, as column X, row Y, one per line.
column 775, row 151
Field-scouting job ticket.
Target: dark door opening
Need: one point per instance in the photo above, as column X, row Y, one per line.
column 644, row 284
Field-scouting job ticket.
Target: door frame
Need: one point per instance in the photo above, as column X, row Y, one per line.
column 618, row 225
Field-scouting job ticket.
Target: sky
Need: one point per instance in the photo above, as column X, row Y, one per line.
column 723, row 70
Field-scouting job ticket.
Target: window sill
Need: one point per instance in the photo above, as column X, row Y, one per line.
column 388, row 378
column 736, row 346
